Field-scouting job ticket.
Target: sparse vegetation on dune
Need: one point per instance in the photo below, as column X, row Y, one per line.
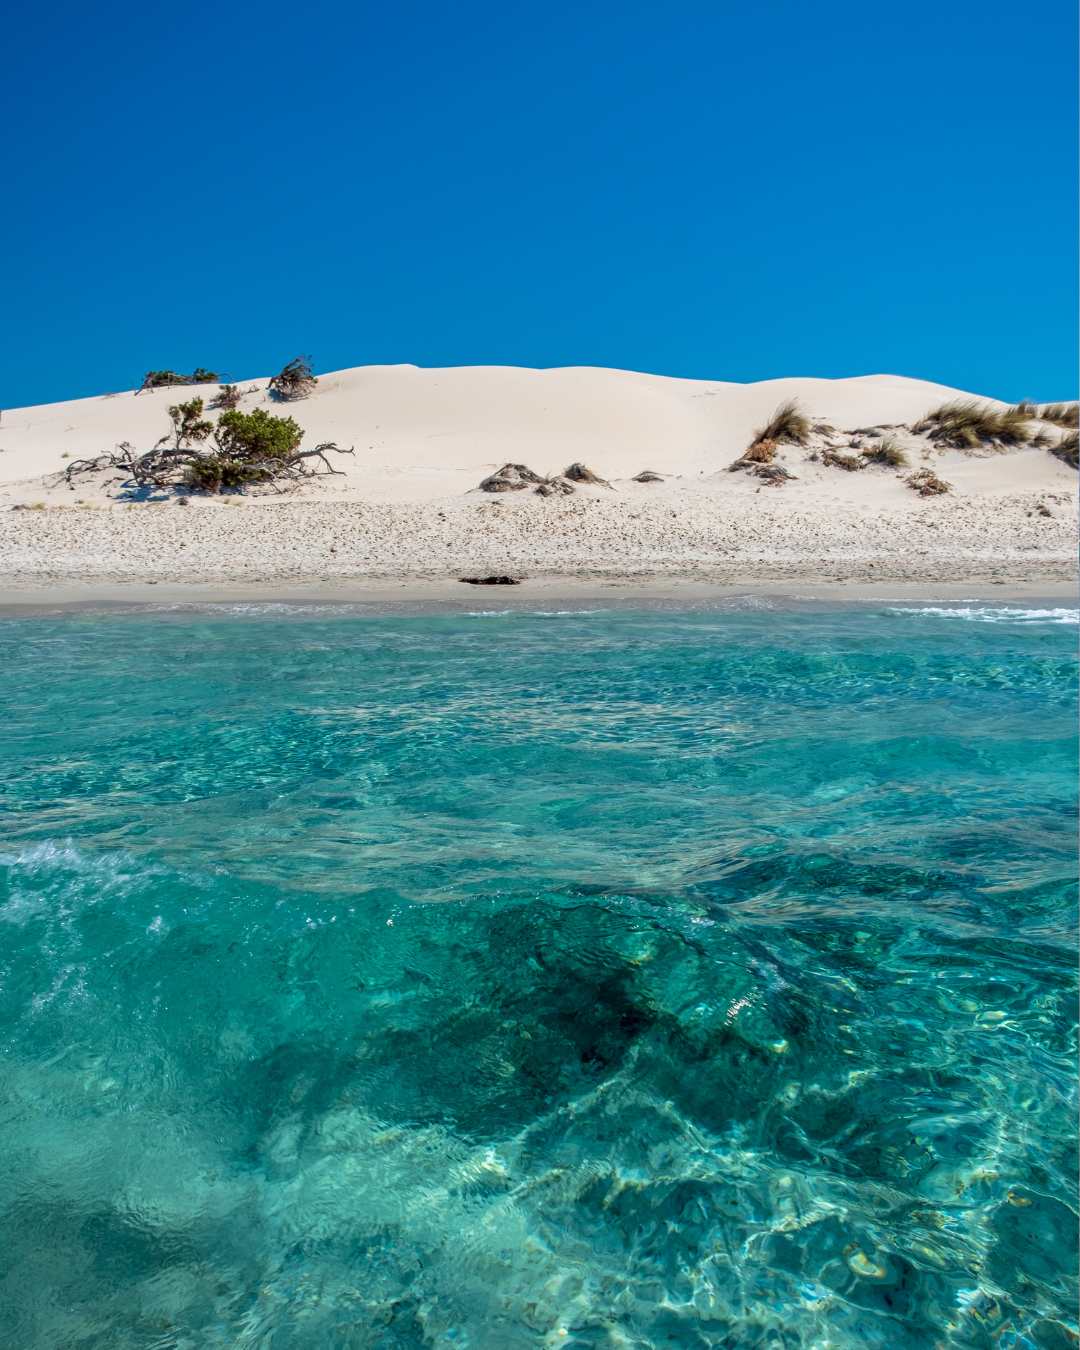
column 1067, row 449
column 1062, row 414
column 249, row 448
column 835, row 459
column 295, row 380
column 968, row 425
column 887, row 452
column 927, row 484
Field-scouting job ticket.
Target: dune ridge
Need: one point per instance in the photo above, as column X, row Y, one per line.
column 408, row 503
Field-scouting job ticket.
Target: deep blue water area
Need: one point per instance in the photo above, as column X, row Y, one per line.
column 624, row 978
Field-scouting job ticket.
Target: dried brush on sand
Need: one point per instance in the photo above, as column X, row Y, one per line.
column 1062, row 414
column 927, row 484
column 968, row 424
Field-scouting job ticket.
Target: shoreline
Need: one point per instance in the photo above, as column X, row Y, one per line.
column 1048, row 587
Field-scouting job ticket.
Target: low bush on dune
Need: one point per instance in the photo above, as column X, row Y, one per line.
column 968, row 424
column 257, row 435
column 1063, row 414
column 166, row 379
column 886, row 452
column 1068, row 449
column 761, row 452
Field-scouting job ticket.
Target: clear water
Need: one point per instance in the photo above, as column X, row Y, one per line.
column 510, row 980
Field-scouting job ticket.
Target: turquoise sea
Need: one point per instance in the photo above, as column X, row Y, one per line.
column 624, row 978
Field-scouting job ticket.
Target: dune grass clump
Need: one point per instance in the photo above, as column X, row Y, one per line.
column 968, row 425
column 927, row 484
column 1068, row 449
column 786, row 424
column 887, row 452
column 1062, row 414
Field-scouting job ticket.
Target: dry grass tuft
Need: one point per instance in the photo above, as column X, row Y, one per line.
column 886, row 452
column 1068, row 449
column 927, row 484
column 967, row 425
column 786, row 424
column 1063, row 414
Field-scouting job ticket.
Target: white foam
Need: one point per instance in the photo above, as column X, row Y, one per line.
column 994, row 613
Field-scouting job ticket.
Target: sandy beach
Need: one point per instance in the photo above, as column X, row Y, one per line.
column 407, row 506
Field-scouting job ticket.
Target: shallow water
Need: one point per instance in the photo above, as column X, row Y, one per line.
column 509, row 980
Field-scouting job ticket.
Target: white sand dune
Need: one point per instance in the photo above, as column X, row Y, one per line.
column 424, row 438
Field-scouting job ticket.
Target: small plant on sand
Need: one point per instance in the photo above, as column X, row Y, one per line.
column 786, row 424
column 1068, row 449
column 1027, row 408
column 886, row 452
column 296, row 380
column 967, row 425
column 1063, row 414
column 834, row 459
column 227, row 397
column 188, row 424
column 927, row 484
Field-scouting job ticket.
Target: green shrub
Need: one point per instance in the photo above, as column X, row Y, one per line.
column 967, row 425
column 256, row 435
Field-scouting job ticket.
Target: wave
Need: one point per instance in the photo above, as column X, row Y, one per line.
column 993, row 613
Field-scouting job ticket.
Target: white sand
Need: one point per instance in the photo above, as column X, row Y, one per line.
column 407, row 504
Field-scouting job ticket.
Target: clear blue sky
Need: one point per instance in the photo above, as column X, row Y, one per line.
column 732, row 191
